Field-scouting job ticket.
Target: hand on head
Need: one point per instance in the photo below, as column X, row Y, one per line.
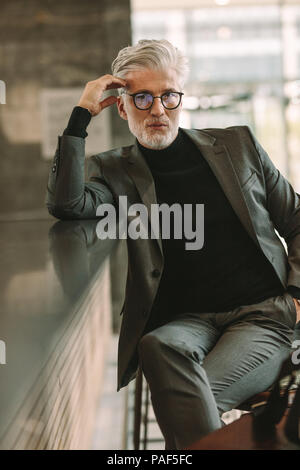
column 92, row 94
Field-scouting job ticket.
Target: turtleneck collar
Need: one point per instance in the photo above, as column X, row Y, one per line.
column 168, row 157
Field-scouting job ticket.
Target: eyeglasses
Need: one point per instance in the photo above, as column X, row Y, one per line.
column 144, row 101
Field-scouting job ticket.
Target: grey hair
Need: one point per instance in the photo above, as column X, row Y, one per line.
column 151, row 53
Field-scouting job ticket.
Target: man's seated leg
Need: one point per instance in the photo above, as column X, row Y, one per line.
column 247, row 357
column 171, row 358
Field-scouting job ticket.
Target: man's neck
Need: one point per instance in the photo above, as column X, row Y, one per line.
column 149, row 149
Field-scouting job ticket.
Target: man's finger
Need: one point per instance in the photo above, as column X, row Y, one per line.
column 115, row 85
column 108, row 101
column 110, row 80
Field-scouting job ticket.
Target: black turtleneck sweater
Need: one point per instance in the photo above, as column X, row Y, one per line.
column 229, row 270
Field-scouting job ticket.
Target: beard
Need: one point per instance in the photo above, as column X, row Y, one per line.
column 156, row 139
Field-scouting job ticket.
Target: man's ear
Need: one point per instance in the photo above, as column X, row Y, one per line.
column 121, row 108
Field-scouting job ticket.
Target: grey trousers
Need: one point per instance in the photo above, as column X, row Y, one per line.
column 200, row 365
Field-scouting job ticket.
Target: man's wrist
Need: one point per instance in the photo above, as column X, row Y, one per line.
column 78, row 122
column 83, row 107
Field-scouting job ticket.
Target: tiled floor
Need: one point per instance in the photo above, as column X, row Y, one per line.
column 115, row 420
column 108, row 433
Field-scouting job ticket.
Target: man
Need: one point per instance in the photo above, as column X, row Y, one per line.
column 209, row 327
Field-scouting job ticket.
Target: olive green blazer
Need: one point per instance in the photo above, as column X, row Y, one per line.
column 263, row 199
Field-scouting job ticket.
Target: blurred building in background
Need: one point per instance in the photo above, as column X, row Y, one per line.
column 244, row 66
column 245, row 69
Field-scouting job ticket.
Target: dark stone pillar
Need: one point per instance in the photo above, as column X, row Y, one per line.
column 45, row 44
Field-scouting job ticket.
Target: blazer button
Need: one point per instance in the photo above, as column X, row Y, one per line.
column 155, row 272
column 54, row 168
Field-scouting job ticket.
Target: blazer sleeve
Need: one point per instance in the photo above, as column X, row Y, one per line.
column 68, row 195
column 283, row 204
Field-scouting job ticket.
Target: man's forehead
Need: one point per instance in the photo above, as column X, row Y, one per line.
column 151, row 79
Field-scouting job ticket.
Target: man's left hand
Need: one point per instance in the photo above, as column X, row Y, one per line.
column 297, row 309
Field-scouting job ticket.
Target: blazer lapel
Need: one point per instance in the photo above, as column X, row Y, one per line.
column 218, row 158
column 140, row 173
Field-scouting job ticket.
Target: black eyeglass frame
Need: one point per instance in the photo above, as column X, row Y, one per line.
column 153, row 97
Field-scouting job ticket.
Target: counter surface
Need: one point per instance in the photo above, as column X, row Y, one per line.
column 48, row 269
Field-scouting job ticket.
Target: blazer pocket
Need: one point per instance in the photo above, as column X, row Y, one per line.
column 246, row 185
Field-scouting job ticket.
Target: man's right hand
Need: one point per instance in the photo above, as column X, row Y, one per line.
column 91, row 96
